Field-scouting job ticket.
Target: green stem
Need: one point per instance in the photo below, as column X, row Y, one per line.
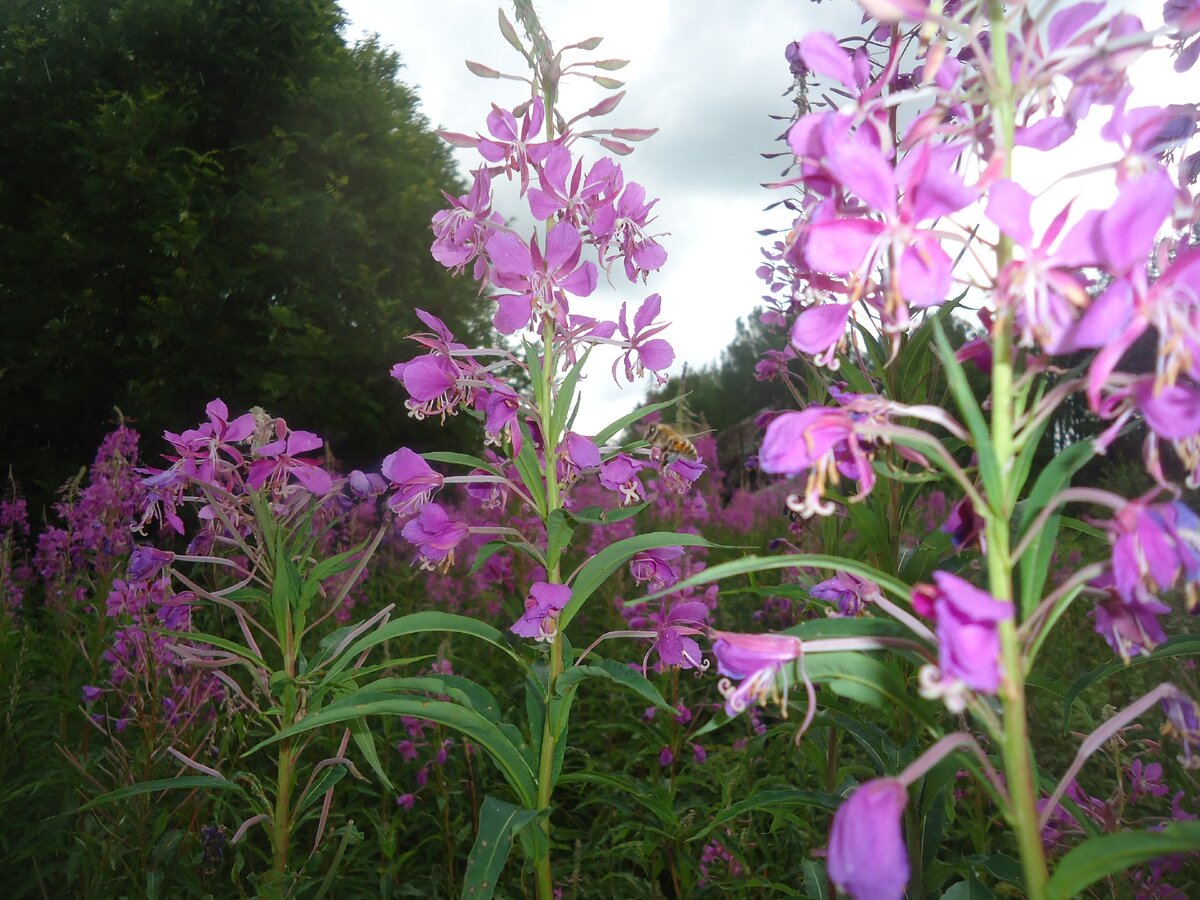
column 545, row 784
column 281, row 826
column 1017, row 754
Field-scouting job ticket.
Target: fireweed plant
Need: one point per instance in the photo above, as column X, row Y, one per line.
column 913, row 201
column 535, row 471
column 263, row 521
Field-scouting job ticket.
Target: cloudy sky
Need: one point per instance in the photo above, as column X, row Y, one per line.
column 709, row 74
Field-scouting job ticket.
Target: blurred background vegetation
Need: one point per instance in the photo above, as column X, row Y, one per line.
column 199, row 199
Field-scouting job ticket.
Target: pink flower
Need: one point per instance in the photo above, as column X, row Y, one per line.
column 645, row 350
column 968, row 635
column 280, row 458
column 757, row 660
column 868, row 859
column 540, row 619
column 620, row 474
column 851, row 593
column 414, row 479
column 541, row 282
column 434, row 534
column 658, row 566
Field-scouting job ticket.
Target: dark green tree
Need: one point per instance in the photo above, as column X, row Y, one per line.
column 206, row 198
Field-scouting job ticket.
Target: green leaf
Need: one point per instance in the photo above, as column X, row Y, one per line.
column 423, row 622
column 163, row 784
column 749, row 564
column 360, row 733
column 595, row 515
column 1103, row 856
column 989, row 471
column 326, row 778
column 612, row 430
column 770, row 800
column 1036, row 561
column 461, row 459
column 1178, row 645
column 598, row 569
column 512, row 762
column 486, row 552
column 971, row 889
column 613, row 670
column 816, row 881
column 498, row 823
column 558, row 533
column 529, row 469
column 562, row 403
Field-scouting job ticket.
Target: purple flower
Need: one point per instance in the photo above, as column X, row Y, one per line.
column 674, row 646
column 576, row 453
column 512, row 145
column 666, row 757
column 91, row 693
column 406, row 801
column 540, row 282
column 756, row 660
column 620, row 474
column 1183, row 721
column 819, row 330
column 414, row 479
column 968, row 635
column 849, row 592
column 1152, row 546
column 645, row 350
column 657, row 566
column 365, row 485
column 146, row 562
column 680, row 473
column 540, row 619
column 699, row 754
column 1145, row 780
column 280, row 458
column 868, row 858
column 434, row 534
column 965, row 526
column 460, row 231
column 928, row 189
column 822, row 441
column 624, row 223
column 1130, row 627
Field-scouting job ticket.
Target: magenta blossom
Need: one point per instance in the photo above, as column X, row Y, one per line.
column 674, row 646
column 620, row 474
column 868, row 859
column 968, row 621
column 434, row 534
column 850, row 593
column 415, row 480
column 460, row 231
column 1152, row 546
column 646, row 352
column 541, row 282
column 1183, row 721
column 513, row 146
column 680, row 473
column 280, row 458
column 757, row 660
column 1130, row 627
column 540, row 619
column 928, row 189
column 659, row 567
column 822, row 441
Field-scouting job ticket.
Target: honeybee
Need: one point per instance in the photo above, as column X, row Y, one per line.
column 668, row 440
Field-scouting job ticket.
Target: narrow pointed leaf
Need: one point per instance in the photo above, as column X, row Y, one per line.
column 499, row 822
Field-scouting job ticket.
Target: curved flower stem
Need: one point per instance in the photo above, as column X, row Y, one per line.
column 959, row 740
column 1070, row 495
column 1035, row 627
column 1096, row 739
